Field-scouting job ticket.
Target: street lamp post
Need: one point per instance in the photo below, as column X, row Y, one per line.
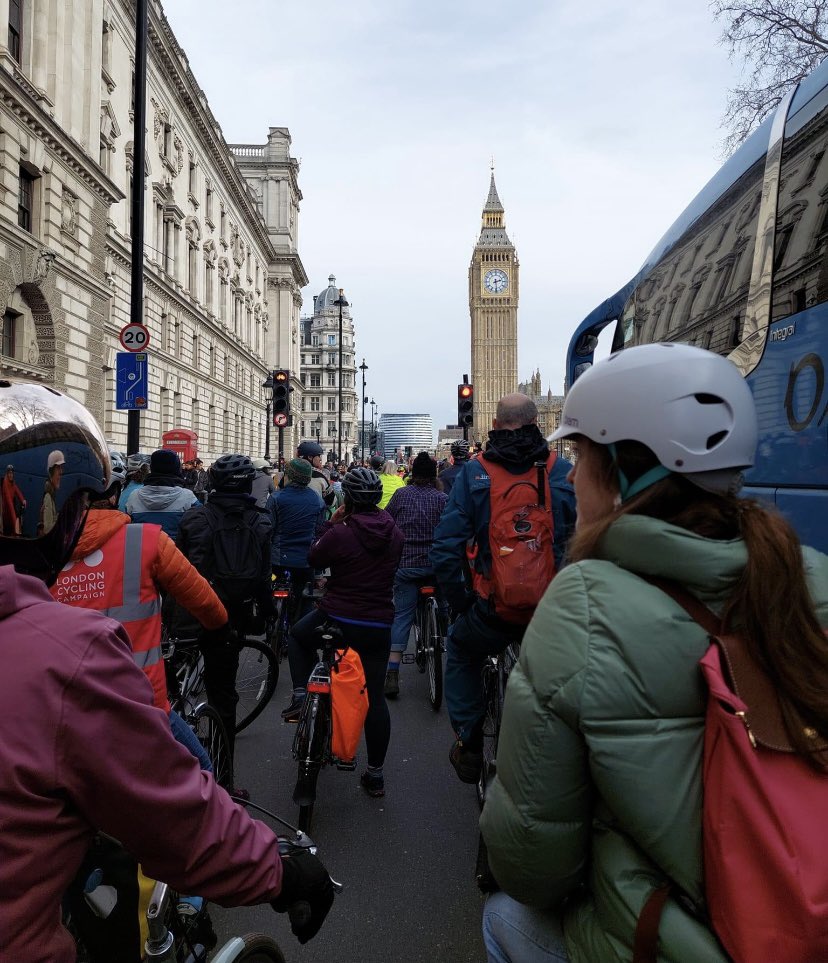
column 363, row 368
column 342, row 304
column 318, row 422
column 267, row 385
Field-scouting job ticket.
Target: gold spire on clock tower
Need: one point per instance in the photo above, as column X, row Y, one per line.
column 493, row 303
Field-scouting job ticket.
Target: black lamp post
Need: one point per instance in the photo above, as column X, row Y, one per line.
column 363, row 368
column 267, row 385
column 373, row 406
column 342, row 303
column 318, row 422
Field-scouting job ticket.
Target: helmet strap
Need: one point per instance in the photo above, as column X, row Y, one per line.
column 629, row 489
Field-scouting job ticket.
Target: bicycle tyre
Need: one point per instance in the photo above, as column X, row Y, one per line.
column 486, row 882
column 259, row 948
column 255, row 680
column 209, row 729
column 493, row 700
column 310, row 743
column 434, row 655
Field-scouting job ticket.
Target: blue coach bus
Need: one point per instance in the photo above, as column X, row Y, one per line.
column 744, row 272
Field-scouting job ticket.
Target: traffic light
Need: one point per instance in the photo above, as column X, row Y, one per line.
column 281, row 397
column 465, row 405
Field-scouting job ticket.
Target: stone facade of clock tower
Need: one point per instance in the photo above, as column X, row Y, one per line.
column 493, row 303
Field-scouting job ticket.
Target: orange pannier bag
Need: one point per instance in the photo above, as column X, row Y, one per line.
column 349, row 704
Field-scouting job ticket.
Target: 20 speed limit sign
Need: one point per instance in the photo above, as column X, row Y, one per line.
column 134, row 337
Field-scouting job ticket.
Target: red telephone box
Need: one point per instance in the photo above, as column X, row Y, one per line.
column 182, row 441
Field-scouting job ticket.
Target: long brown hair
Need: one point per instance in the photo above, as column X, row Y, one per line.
column 771, row 606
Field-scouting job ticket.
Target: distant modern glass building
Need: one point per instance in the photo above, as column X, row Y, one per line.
column 400, row 432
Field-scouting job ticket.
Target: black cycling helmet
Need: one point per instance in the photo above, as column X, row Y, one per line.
column 377, row 462
column 362, row 486
column 309, row 449
column 460, row 449
column 53, row 457
column 232, row 474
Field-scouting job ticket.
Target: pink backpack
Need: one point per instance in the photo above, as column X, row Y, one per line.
column 764, row 821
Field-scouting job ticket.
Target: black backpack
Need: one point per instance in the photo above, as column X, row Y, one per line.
column 236, row 555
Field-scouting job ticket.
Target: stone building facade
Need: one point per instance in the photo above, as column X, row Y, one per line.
column 320, row 369
column 549, row 406
column 222, row 274
column 494, row 276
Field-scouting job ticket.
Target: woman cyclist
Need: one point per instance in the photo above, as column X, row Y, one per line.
column 362, row 547
column 598, row 795
column 79, row 726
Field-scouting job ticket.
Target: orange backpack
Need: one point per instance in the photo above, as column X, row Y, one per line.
column 349, row 705
column 521, row 536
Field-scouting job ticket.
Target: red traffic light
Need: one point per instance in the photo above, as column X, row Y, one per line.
column 465, row 391
column 281, row 376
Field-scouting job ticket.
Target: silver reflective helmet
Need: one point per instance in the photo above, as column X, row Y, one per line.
column 691, row 407
column 54, row 455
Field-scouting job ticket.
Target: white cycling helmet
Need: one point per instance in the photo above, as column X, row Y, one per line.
column 691, row 407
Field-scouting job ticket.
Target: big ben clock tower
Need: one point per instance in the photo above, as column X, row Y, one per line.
column 493, row 303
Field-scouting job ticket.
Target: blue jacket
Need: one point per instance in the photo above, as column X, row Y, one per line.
column 295, row 513
column 161, row 505
column 466, row 517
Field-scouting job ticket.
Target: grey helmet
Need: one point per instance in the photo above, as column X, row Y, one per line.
column 460, row 449
column 691, row 407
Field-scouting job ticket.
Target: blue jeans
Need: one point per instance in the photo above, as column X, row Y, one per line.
column 185, row 735
column 473, row 635
column 514, row 933
column 407, row 584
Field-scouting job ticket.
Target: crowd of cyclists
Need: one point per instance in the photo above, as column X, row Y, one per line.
column 597, row 801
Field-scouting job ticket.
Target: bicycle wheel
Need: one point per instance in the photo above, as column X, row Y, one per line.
column 491, row 727
column 209, row 729
column 309, row 746
column 433, row 654
column 256, row 948
column 255, row 681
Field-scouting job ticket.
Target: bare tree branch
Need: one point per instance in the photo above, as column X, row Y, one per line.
column 778, row 42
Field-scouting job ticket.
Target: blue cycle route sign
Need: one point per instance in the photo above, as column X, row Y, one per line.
column 131, row 381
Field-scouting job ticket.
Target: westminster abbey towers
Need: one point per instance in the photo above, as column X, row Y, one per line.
column 493, row 304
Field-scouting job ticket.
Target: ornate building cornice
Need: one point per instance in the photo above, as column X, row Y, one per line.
column 18, row 99
column 170, row 59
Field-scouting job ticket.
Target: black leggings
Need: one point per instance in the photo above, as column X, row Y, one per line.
column 372, row 645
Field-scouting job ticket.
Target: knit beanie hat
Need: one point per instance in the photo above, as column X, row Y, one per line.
column 298, row 472
column 165, row 462
column 424, row 466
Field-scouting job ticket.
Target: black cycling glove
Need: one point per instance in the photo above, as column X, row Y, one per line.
column 307, row 893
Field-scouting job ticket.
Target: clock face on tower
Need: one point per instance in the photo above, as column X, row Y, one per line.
column 496, row 281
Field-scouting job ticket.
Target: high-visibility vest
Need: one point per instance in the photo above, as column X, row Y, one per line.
column 116, row 580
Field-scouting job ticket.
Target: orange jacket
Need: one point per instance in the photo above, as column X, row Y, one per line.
column 124, row 567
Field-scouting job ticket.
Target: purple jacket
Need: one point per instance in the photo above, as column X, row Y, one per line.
column 363, row 552
column 82, row 748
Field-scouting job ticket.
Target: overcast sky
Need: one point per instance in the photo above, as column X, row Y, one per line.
column 603, row 120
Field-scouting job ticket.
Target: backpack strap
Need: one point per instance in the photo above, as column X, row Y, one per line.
column 745, row 676
column 645, row 943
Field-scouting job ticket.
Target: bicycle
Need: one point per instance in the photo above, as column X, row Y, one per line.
column 430, row 627
column 180, row 930
column 312, row 740
column 256, row 678
column 284, row 605
column 496, row 671
column 185, row 687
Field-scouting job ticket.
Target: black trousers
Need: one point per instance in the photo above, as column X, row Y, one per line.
column 221, row 665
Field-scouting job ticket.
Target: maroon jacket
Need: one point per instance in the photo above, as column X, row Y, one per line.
column 83, row 748
column 363, row 553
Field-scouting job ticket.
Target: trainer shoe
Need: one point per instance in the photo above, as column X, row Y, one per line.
column 373, row 785
column 292, row 712
column 392, row 684
column 467, row 763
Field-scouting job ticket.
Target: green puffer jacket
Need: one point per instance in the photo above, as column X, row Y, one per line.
column 598, row 790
